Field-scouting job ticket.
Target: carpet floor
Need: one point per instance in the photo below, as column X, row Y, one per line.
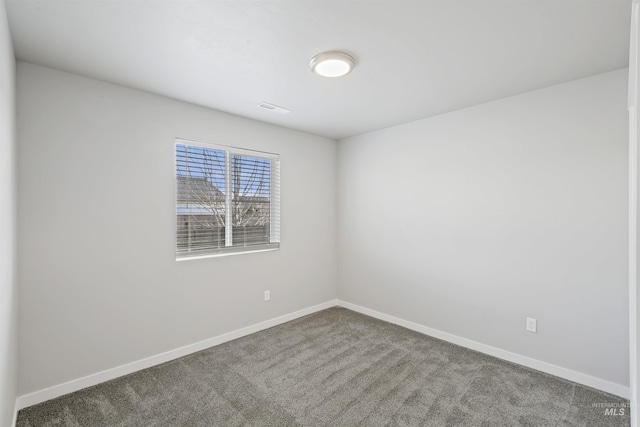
column 333, row 368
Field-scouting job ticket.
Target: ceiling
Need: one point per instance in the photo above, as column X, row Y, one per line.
column 415, row 58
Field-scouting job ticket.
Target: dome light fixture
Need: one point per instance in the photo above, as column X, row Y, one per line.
column 332, row 64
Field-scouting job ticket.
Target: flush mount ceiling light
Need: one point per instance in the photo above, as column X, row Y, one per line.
column 332, row 64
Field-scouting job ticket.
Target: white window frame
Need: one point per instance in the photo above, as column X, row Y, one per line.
column 274, row 199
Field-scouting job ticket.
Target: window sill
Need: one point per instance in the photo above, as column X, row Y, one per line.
column 228, row 252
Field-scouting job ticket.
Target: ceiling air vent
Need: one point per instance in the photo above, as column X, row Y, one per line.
column 274, row 108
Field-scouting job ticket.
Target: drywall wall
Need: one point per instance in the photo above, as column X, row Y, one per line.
column 634, row 219
column 8, row 205
column 99, row 282
column 471, row 221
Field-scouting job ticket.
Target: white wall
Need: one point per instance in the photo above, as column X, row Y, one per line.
column 99, row 283
column 8, row 204
column 469, row 222
column 505, row 210
column 634, row 219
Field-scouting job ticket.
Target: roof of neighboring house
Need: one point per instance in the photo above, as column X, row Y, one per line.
column 196, row 189
column 198, row 196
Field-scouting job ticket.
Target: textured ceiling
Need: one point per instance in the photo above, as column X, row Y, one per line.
column 415, row 58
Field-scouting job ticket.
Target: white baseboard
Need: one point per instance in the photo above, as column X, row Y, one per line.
column 110, row 374
column 578, row 377
column 15, row 414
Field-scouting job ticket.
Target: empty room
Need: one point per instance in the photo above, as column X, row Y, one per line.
column 318, row 213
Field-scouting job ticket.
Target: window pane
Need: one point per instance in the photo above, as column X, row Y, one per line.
column 251, row 188
column 200, row 197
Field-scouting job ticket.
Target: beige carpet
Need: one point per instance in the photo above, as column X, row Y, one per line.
column 333, row 368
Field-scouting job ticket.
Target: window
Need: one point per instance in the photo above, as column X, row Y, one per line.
column 227, row 200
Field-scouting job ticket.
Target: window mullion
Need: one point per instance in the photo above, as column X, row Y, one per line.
column 228, row 229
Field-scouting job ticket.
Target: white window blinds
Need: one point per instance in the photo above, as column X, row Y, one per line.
column 227, row 200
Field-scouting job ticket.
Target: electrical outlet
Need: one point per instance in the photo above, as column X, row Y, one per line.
column 532, row 325
column 267, row 295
